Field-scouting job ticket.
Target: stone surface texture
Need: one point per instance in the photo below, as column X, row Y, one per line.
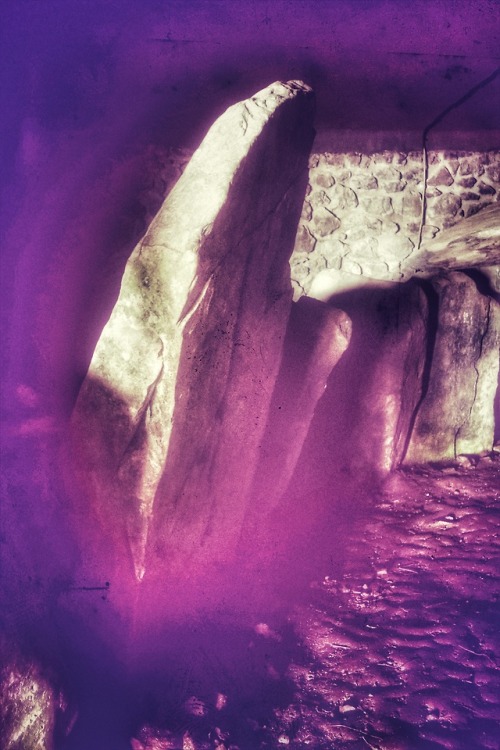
column 317, row 337
column 372, row 394
column 198, row 325
column 394, row 387
column 28, row 707
column 456, row 415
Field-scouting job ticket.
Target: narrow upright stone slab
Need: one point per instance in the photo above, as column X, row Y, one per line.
column 456, row 415
column 395, row 386
column 361, row 428
column 182, row 376
column 317, row 337
column 395, row 338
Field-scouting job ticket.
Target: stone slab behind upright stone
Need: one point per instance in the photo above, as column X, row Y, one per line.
column 394, row 386
column 456, row 415
column 317, row 337
column 472, row 243
column 389, row 347
column 182, row 376
column 362, row 422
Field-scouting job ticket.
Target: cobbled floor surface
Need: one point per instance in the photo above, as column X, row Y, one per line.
column 398, row 651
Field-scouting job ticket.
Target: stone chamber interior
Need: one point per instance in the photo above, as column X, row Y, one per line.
column 250, row 410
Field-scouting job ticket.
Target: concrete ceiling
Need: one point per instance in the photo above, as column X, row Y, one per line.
column 165, row 68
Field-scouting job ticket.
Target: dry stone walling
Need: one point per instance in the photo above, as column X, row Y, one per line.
column 362, row 215
column 170, row 418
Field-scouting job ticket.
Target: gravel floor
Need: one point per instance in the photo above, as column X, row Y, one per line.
column 401, row 651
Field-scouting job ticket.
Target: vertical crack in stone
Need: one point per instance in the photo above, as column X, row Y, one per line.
column 431, row 326
column 455, row 439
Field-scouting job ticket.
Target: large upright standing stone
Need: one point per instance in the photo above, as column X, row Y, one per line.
column 181, row 379
column 456, row 415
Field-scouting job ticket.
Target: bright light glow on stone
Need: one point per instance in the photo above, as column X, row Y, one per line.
column 192, row 349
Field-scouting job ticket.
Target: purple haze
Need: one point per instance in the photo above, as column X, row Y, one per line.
column 89, row 90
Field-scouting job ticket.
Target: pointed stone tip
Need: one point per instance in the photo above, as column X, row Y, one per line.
column 137, row 533
column 139, row 572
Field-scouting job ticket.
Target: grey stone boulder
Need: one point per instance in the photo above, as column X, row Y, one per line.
column 171, row 413
column 362, row 422
column 456, row 415
column 394, row 388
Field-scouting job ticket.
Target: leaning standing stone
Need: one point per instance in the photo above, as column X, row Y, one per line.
column 176, row 397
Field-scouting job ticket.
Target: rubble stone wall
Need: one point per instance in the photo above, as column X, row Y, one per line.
column 362, row 212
